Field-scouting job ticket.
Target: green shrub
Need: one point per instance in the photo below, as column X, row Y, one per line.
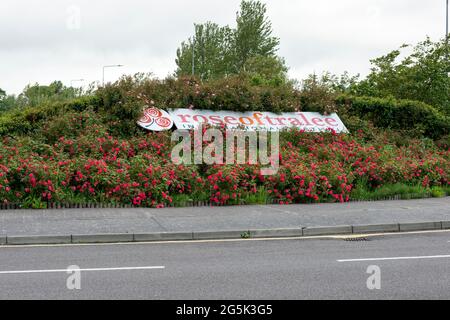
column 401, row 190
column 397, row 114
column 121, row 104
column 438, row 192
column 29, row 120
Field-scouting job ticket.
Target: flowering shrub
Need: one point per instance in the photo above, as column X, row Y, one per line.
column 118, row 105
column 77, row 160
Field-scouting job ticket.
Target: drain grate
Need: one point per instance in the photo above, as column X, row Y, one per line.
column 359, row 239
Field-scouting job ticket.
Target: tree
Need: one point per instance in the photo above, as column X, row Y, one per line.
column 319, row 93
column 34, row 95
column 7, row 102
column 2, row 100
column 253, row 35
column 222, row 51
column 423, row 75
column 270, row 70
column 211, row 49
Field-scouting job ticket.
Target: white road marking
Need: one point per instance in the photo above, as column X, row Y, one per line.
column 396, row 258
column 82, row 270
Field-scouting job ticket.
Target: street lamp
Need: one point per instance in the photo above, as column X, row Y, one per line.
column 193, row 57
column 446, row 30
column 446, row 20
column 111, row 66
column 193, row 51
column 446, row 36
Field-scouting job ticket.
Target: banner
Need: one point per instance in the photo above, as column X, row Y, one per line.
column 155, row 119
column 190, row 119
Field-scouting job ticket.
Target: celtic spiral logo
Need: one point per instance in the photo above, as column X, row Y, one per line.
column 155, row 119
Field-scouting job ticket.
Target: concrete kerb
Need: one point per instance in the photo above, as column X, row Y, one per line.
column 103, row 238
column 276, row 233
column 361, row 229
column 29, row 240
column 223, row 235
column 445, row 225
column 164, row 236
column 213, row 235
column 325, row 231
column 420, row 226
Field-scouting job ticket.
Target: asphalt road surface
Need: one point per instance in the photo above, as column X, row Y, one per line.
column 410, row 266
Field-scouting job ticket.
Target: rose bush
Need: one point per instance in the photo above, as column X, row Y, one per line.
column 78, row 160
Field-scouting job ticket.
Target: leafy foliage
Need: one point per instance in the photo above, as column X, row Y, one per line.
column 422, row 75
column 37, row 95
column 120, row 104
column 389, row 113
column 218, row 52
column 212, row 52
column 75, row 159
column 270, row 71
column 253, row 33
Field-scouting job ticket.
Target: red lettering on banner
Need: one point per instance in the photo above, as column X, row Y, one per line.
column 270, row 121
column 295, row 122
column 183, row 117
column 256, row 120
column 216, row 119
column 317, row 122
column 331, row 120
column 307, row 123
column 229, row 119
column 281, row 121
column 195, row 118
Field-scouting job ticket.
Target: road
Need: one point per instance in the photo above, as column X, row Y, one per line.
column 412, row 266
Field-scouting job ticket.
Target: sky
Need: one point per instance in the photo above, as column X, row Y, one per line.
column 46, row 40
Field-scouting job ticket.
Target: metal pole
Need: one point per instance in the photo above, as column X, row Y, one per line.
column 193, row 55
column 75, row 80
column 446, row 36
column 446, row 20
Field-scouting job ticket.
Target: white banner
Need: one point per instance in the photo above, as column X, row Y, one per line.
column 189, row 119
column 307, row 121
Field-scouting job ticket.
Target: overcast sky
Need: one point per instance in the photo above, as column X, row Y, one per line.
column 46, row 40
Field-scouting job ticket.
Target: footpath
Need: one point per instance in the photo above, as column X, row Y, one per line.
column 64, row 226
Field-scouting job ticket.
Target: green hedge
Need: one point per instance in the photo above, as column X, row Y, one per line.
column 121, row 103
column 396, row 114
column 25, row 121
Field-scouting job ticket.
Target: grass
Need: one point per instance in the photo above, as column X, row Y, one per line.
column 260, row 197
column 360, row 193
column 398, row 191
column 440, row 192
column 181, row 200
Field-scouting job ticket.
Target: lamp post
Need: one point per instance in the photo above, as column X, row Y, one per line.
column 110, row 66
column 193, row 51
column 447, row 36
column 446, row 23
column 193, row 56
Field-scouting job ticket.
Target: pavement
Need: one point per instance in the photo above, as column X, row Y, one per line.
column 197, row 223
column 405, row 266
